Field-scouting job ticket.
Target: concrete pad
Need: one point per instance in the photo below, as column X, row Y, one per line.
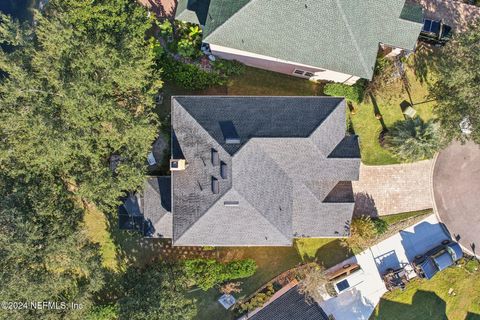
column 394, row 252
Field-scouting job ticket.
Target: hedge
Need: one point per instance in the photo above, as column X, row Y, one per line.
column 352, row 93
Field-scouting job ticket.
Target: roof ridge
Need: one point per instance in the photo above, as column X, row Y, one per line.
column 268, row 220
column 224, row 22
column 352, row 37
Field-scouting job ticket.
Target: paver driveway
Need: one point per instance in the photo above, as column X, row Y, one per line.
column 456, row 186
column 390, row 189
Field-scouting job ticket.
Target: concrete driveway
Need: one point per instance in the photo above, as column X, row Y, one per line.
column 359, row 301
column 457, row 14
column 456, row 189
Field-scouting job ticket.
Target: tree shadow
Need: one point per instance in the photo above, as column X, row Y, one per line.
column 377, row 112
column 472, row 316
column 364, row 205
column 425, row 305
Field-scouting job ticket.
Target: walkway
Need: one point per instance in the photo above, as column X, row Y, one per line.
column 454, row 13
column 456, row 186
column 391, row 189
column 162, row 8
column 397, row 251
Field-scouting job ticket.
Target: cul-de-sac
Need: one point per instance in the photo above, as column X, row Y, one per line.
column 240, row 159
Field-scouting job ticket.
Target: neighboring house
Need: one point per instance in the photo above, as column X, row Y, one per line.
column 288, row 304
column 257, row 171
column 336, row 40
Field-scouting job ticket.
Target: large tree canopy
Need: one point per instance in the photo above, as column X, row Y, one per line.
column 458, row 85
column 77, row 95
column 156, row 293
column 76, row 91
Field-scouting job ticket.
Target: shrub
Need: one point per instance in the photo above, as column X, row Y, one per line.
column 413, row 139
column 352, row 93
column 313, row 278
column 229, row 67
column 187, row 75
column 259, row 299
column 166, row 28
column 187, row 48
column 206, row 273
column 381, row 226
column 362, row 232
column 107, row 312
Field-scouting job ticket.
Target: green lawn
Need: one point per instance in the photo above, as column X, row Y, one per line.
column 388, row 101
column 398, row 217
column 429, row 299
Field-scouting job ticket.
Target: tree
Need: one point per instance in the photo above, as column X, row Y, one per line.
column 43, row 254
column 156, row 293
column 362, row 232
column 313, row 282
column 77, row 93
column 457, row 86
column 205, row 273
column 413, row 139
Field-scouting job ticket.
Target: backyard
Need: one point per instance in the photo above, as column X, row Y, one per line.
column 452, row 294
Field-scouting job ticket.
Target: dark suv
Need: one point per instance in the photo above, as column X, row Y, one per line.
column 435, row 32
column 437, row 259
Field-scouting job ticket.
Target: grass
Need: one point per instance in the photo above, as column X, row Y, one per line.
column 388, row 101
column 258, row 82
column 429, row 299
column 97, row 231
column 399, row 217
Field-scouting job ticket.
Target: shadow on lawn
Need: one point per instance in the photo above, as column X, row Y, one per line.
column 425, row 305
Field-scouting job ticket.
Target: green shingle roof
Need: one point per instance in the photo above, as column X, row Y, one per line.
column 338, row 35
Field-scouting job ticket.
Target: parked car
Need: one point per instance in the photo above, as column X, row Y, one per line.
column 437, row 259
column 395, row 279
column 435, row 32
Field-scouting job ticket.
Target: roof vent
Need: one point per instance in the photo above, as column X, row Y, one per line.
column 229, row 132
column 215, row 186
column 223, row 170
column 177, row 164
column 215, row 158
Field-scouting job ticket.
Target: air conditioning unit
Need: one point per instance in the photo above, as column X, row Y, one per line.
column 177, row 164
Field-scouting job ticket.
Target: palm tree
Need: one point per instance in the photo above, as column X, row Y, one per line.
column 413, row 139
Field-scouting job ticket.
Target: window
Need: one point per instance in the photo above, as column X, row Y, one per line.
column 303, row 73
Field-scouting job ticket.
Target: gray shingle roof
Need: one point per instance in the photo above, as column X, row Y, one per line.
column 278, row 175
column 157, row 207
column 338, row 35
column 290, row 306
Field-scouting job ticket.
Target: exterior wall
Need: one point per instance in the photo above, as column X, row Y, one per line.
column 281, row 66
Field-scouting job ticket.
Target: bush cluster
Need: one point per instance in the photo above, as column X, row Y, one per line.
column 352, row 93
column 258, row 300
column 188, row 76
column 205, row 273
column 229, row 67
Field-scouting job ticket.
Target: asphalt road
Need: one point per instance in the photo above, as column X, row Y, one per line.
column 456, row 188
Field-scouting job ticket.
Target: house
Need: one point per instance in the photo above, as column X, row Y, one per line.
column 254, row 171
column 334, row 40
column 288, row 304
